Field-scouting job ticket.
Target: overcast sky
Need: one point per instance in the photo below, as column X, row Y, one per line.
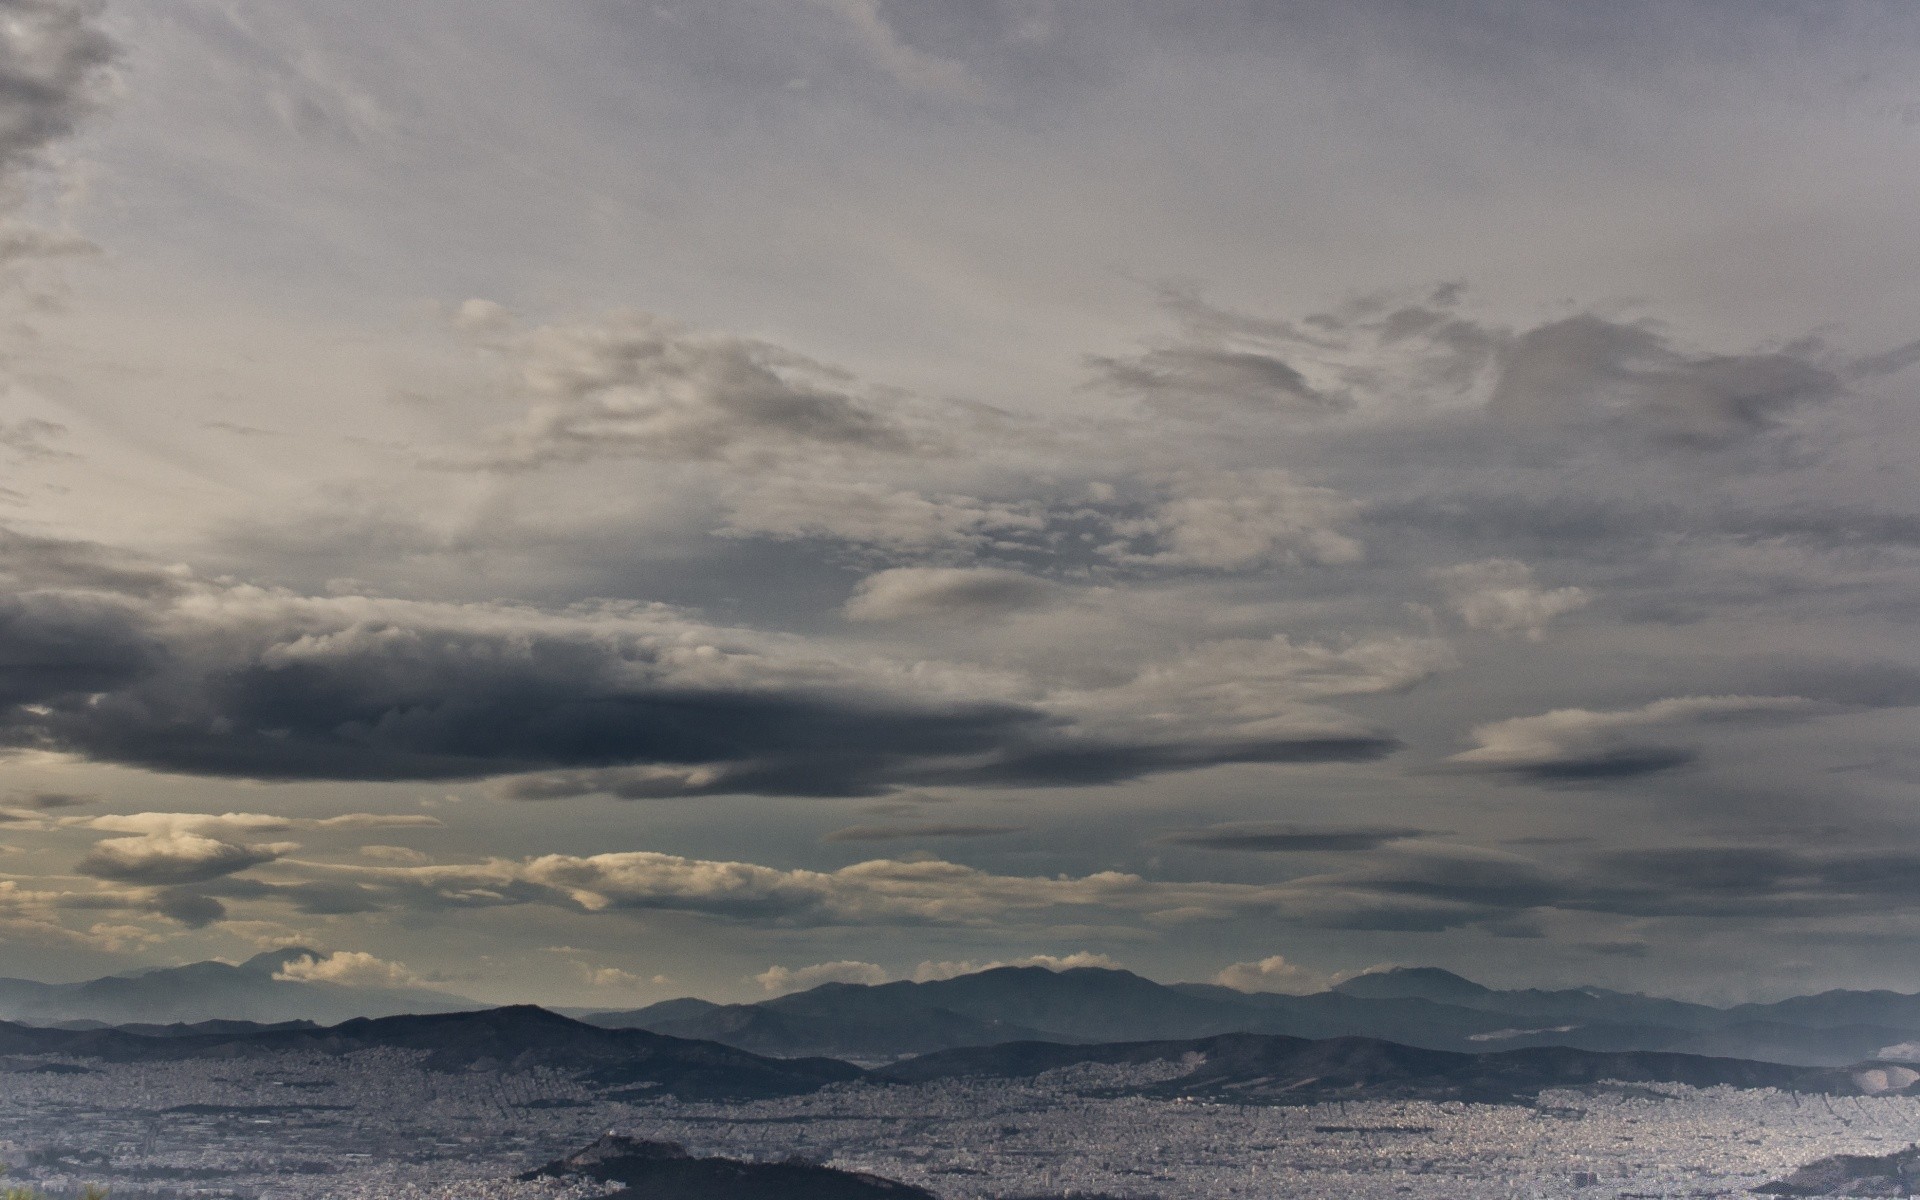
column 596, row 501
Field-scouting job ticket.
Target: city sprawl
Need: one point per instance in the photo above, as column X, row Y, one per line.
column 377, row 1125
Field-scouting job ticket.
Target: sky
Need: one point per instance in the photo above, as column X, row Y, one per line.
column 600, row 501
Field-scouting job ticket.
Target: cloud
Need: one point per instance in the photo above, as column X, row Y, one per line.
column 1573, row 744
column 53, row 57
column 172, row 848
column 226, row 679
column 160, row 824
column 1198, row 381
column 908, row 66
column 349, row 968
column 1586, row 370
column 879, row 891
column 635, row 385
column 612, row 977
column 781, row 980
column 893, row 833
column 888, row 516
column 1414, row 889
column 1220, row 364
column 395, row 854
column 946, row 593
column 1498, row 595
column 1237, row 520
column 1271, row 974
column 31, row 437
column 928, row 971
column 1291, row 839
column 189, row 907
column 172, row 858
column 49, row 800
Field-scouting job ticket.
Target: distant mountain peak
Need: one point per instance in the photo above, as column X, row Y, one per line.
column 1413, row 983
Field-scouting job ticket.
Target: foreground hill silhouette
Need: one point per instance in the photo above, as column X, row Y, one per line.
column 1896, row 1174
column 665, row 1171
column 1424, row 1007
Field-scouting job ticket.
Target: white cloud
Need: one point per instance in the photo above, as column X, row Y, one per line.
column 174, row 858
column 395, row 854
column 931, row 970
column 878, row 891
column 349, row 968
column 946, row 593
column 1272, row 974
column 1237, row 520
column 635, row 385
column 781, row 980
column 232, row 823
column 1498, row 595
column 1579, row 742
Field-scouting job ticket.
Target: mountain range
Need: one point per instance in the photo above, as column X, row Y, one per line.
column 251, row 991
column 1245, row 1068
column 1424, row 1007
column 1230, row 1068
column 520, row 1037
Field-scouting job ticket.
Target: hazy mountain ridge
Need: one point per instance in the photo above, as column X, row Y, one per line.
column 206, row 991
column 1258, row 1068
column 1425, row 1007
column 1232, row 1068
column 1422, row 1007
column 513, row 1038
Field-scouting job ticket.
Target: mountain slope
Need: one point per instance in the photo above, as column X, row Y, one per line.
column 1419, row 1007
column 514, row 1038
column 1255, row 1068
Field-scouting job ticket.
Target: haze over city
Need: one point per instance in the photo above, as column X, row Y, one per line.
column 599, row 502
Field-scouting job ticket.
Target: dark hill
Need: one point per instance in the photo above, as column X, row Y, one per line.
column 1264, row 1069
column 1896, row 1174
column 1415, row 983
column 514, row 1038
column 665, row 1171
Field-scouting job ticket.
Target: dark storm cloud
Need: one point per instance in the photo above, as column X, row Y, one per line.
column 1453, row 886
column 1752, row 881
column 1290, row 839
column 188, row 907
column 61, row 648
column 244, row 682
